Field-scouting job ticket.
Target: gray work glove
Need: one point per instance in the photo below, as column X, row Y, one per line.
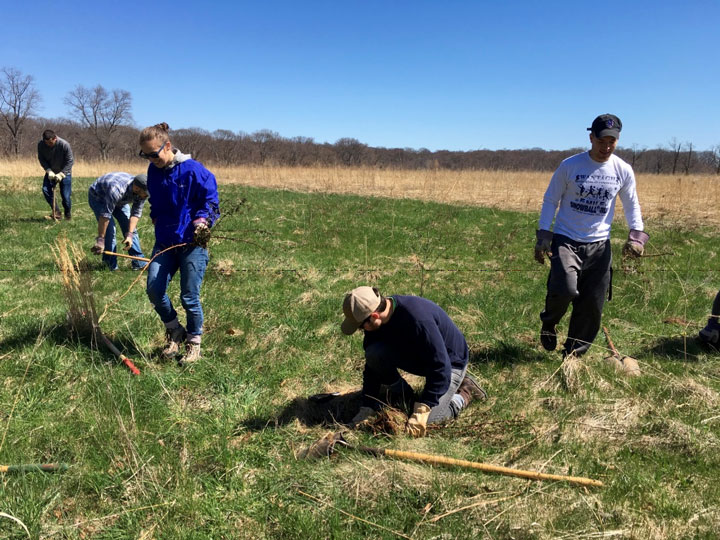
column 99, row 246
column 635, row 244
column 543, row 245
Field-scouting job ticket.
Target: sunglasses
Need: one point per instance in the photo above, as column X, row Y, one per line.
column 152, row 155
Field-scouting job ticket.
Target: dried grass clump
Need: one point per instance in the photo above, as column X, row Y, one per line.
column 389, row 421
column 570, row 373
column 77, row 287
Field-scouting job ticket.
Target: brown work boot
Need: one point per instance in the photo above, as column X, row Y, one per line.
column 173, row 339
column 192, row 354
column 469, row 389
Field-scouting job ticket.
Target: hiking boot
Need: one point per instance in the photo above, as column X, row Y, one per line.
column 173, row 339
column 711, row 333
column 548, row 337
column 469, row 389
column 68, row 216
column 192, row 354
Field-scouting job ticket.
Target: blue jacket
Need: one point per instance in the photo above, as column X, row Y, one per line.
column 428, row 344
column 179, row 194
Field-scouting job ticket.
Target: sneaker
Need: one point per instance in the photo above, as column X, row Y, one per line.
column 548, row 337
column 192, row 354
column 710, row 334
column 469, row 389
column 173, row 339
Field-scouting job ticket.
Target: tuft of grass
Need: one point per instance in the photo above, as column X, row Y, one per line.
column 212, row 451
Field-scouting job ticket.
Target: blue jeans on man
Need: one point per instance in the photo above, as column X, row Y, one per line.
column 65, row 194
column 122, row 216
column 192, row 261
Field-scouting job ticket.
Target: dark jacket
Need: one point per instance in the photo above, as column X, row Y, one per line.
column 429, row 345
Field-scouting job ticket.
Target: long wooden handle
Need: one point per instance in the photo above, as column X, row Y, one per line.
column 125, row 256
column 612, row 346
column 35, row 467
column 442, row 460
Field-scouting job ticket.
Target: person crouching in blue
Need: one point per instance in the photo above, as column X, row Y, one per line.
column 183, row 206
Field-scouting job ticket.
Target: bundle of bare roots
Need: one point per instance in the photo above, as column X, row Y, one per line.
column 82, row 316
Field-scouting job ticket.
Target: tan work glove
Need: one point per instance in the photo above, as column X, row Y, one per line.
column 417, row 423
column 60, row 175
column 127, row 243
column 543, row 245
column 635, row 244
column 362, row 416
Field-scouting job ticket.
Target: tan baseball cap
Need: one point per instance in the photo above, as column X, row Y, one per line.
column 357, row 306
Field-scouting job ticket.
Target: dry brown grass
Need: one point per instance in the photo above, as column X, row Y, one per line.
column 667, row 197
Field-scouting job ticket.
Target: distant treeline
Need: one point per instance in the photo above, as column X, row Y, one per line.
column 223, row 147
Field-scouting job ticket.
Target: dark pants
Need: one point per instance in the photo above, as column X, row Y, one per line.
column 379, row 358
column 579, row 274
column 65, row 194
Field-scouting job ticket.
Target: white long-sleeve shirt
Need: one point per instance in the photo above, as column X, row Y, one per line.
column 585, row 192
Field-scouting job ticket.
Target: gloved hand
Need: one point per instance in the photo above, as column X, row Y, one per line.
column 60, row 175
column 543, row 245
column 362, row 416
column 201, row 235
column 127, row 243
column 417, row 423
column 52, row 177
column 99, row 246
column 635, row 244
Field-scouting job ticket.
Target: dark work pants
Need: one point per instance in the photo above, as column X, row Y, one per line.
column 579, row 274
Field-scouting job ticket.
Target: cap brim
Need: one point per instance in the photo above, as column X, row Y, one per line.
column 349, row 326
column 608, row 133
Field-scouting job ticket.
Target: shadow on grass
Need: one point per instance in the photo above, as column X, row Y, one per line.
column 682, row 348
column 328, row 412
column 504, row 353
column 62, row 334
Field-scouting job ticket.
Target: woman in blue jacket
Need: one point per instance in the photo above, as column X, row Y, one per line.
column 183, row 206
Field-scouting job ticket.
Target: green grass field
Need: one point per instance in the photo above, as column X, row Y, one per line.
column 212, row 451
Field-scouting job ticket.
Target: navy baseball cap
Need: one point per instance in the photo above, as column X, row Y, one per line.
column 606, row 125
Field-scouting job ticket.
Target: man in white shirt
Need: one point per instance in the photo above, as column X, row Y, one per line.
column 583, row 192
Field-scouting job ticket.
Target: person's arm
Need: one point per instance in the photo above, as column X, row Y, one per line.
column 637, row 237
column 438, row 368
column 132, row 225
column 42, row 158
column 551, row 199
column 68, row 159
column 205, row 201
column 102, row 226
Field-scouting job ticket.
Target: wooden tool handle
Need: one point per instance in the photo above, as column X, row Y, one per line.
column 442, row 460
column 124, row 256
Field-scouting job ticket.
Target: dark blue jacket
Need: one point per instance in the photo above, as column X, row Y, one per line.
column 428, row 344
column 180, row 194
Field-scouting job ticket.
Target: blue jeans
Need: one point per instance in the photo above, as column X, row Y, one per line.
column 65, row 194
column 192, row 262
column 122, row 216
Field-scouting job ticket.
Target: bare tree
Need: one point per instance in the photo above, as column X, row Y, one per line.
column 675, row 148
column 101, row 112
column 689, row 158
column 19, row 101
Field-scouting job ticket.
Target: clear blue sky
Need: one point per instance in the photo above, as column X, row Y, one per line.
column 434, row 74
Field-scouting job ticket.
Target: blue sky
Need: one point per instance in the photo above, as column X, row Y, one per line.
column 419, row 74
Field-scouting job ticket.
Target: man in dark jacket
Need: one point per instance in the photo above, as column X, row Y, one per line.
column 413, row 334
column 56, row 157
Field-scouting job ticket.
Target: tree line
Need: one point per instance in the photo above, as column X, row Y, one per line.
column 100, row 126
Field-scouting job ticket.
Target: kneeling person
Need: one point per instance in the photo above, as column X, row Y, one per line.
column 413, row 334
column 110, row 197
